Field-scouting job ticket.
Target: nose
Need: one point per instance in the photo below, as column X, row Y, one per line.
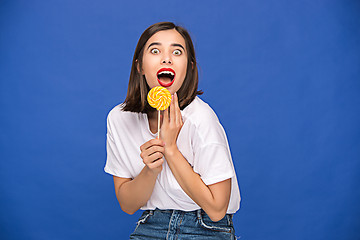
column 166, row 60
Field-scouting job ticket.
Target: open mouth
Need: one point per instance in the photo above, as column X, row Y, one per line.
column 166, row 77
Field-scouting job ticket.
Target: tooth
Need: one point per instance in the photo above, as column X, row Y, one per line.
column 167, row 72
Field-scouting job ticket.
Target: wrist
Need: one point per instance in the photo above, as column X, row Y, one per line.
column 152, row 173
column 170, row 151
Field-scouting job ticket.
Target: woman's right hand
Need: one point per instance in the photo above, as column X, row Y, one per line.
column 152, row 153
column 134, row 193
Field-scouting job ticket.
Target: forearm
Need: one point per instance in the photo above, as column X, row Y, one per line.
column 134, row 194
column 213, row 199
column 195, row 188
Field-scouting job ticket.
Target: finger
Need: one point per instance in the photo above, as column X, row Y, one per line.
column 152, row 150
column 177, row 110
column 172, row 110
column 153, row 158
column 166, row 117
column 152, row 154
column 152, row 142
column 156, row 164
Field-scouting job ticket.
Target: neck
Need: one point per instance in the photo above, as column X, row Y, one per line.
column 152, row 115
column 153, row 120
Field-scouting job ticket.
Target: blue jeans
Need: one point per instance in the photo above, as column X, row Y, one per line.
column 176, row 224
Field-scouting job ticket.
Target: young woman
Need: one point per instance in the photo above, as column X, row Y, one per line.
column 185, row 181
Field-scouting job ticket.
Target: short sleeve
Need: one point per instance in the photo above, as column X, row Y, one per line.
column 114, row 164
column 212, row 158
column 213, row 163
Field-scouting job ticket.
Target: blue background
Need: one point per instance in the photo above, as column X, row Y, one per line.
column 283, row 77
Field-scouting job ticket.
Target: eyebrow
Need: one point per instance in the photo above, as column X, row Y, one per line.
column 173, row 44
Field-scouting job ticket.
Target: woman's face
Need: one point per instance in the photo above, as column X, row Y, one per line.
column 165, row 60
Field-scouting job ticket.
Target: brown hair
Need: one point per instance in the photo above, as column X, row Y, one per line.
column 138, row 88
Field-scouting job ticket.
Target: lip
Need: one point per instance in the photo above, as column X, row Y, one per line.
column 166, row 84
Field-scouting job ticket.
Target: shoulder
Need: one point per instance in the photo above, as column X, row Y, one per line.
column 205, row 123
column 199, row 112
column 119, row 118
column 118, row 113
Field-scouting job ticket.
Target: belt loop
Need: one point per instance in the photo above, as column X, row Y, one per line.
column 198, row 213
column 230, row 219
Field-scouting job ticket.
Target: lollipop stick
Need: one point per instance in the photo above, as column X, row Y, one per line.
column 158, row 136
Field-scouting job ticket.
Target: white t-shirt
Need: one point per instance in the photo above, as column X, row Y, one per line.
column 202, row 141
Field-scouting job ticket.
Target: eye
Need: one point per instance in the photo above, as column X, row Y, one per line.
column 177, row 52
column 155, row 51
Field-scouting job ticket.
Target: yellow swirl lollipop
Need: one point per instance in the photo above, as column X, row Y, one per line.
column 159, row 98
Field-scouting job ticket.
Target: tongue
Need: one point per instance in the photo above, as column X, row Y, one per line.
column 165, row 79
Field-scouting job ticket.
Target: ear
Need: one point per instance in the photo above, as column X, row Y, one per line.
column 138, row 66
column 192, row 65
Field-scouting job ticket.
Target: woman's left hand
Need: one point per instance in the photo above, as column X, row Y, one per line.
column 172, row 124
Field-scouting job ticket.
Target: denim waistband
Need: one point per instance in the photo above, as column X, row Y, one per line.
column 199, row 213
column 177, row 224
